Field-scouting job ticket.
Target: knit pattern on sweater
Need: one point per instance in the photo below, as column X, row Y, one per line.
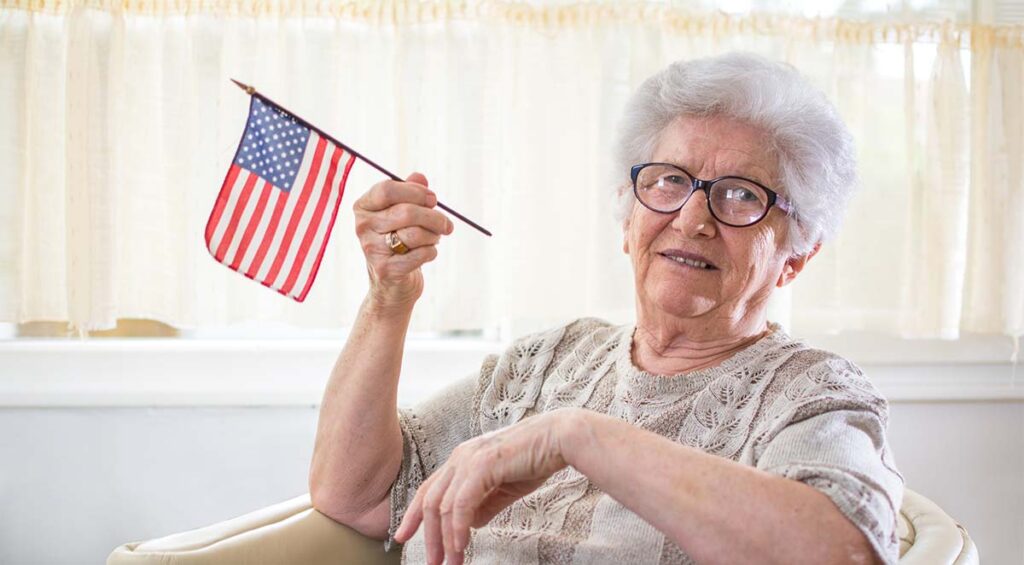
column 778, row 405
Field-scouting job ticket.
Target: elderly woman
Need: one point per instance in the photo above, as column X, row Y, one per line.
column 703, row 433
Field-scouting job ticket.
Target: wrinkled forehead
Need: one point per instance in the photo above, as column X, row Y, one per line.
column 716, row 146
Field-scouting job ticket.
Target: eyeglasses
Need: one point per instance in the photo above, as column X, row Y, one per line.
column 733, row 201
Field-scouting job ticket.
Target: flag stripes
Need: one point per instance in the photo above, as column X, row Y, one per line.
column 277, row 237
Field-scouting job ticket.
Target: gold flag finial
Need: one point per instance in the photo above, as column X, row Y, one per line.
column 248, row 89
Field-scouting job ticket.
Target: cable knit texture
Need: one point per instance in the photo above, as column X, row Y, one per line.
column 778, row 405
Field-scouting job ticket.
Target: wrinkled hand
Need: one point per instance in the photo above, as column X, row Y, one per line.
column 482, row 477
column 408, row 209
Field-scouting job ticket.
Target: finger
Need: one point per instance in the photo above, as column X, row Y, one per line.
column 465, row 506
column 395, row 267
column 418, row 178
column 413, row 237
column 405, row 214
column 456, row 558
column 456, row 533
column 387, row 193
column 433, row 538
column 446, row 537
column 453, row 552
column 413, row 516
column 464, row 509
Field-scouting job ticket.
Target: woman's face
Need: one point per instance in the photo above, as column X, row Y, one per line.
column 748, row 262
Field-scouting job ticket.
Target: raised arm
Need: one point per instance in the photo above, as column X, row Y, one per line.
column 358, row 450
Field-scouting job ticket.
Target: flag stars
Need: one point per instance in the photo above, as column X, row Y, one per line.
column 273, row 145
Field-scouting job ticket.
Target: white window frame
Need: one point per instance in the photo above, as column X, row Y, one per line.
column 293, row 372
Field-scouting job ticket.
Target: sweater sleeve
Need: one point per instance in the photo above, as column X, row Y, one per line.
column 505, row 389
column 430, row 431
column 836, row 444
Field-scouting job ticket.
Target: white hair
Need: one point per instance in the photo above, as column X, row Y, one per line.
column 815, row 151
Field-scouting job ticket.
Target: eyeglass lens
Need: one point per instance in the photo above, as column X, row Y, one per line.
column 734, row 201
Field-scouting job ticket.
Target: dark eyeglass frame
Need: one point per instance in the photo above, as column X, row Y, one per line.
column 705, row 185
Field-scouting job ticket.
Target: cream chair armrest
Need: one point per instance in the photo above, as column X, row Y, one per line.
column 293, row 532
column 289, row 532
column 929, row 536
column 969, row 553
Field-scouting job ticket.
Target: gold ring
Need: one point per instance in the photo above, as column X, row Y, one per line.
column 395, row 244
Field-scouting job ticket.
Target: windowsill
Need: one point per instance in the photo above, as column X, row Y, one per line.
column 181, row 372
column 176, row 372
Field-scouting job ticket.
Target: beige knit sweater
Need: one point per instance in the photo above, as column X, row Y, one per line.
column 777, row 405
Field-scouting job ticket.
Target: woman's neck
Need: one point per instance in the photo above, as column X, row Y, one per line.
column 690, row 345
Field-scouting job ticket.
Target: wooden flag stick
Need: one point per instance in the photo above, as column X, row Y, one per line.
column 253, row 92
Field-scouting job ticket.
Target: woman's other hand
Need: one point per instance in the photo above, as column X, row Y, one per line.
column 482, row 477
column 406, row 208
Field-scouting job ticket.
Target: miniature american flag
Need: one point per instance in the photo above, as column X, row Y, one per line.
column 276, row 208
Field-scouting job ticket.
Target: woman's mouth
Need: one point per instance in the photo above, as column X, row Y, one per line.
column 689, row 261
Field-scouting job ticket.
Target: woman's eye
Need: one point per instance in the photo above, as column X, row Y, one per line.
column 741, row 194
column 675, row 180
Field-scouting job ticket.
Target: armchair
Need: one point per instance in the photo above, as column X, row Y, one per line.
column 294, row 532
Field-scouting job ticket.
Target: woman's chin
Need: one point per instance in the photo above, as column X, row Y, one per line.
column 684, row 306
column 667, row 296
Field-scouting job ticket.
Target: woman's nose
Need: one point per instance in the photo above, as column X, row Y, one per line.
column 694, row 218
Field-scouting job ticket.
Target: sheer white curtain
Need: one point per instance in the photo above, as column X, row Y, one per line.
column 121, row 122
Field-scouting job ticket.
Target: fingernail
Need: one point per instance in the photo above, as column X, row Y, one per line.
column 451, row 227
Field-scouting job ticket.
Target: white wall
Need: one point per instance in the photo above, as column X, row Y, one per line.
column 969, row 458
column 75, row 482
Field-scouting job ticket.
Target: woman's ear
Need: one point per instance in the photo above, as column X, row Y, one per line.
column 794, row 265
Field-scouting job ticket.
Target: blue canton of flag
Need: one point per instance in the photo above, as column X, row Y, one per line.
column 273, row 145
